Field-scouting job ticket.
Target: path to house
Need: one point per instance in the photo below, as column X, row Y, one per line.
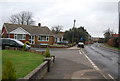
column 72, row 64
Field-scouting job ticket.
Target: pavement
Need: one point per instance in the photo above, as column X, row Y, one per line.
column 72, row 63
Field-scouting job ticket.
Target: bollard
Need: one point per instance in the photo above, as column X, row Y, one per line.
column 48, row 63
column 53, row 58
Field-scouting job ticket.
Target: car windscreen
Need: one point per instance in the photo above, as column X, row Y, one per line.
column 80, row 43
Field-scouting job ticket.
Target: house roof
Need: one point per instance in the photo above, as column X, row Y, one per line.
column 29, row 28
column 58, row 35
column 115, row 35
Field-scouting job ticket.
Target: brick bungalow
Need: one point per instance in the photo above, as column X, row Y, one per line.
column 34, row 34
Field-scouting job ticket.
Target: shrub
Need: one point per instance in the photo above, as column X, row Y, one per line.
column 27, row 42
column 47, row 52
column 8, row 72
column 24, row 47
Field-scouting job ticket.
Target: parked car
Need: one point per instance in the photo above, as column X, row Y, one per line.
column 63, row 42
column 81, row 44
column 9, row 42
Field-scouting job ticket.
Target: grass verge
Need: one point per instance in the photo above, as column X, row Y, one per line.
column 24, row 62
column 111, row 47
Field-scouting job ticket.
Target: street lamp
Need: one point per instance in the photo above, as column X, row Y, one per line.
column 74, row 23
column 119, row 16
column 73, row 31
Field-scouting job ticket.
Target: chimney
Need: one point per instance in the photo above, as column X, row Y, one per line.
column 39, row 24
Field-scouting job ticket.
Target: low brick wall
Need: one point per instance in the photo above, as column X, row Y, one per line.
column 39, row 52
column 40, row 71
column 58, row 46
column 32, row 51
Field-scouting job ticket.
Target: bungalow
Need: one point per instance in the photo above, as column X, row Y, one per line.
column 34, row 34
column 59, row 37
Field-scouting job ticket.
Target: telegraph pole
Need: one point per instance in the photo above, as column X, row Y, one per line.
column 119, row 40
column 73, row 31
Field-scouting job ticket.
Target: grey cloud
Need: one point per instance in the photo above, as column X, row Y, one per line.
column 95, row 16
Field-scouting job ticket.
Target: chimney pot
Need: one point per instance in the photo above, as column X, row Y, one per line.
column 39, row 24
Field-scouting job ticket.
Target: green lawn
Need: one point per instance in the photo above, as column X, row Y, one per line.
column 24, row 62
column 0, row 65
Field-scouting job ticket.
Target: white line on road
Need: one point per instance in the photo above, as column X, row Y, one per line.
column 80, row 52
column 96, row 68
column 92, row 62
column 111, row 77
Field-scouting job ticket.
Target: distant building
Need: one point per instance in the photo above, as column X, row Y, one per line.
column 98, row 39
column 115, row 35
column 114, row 40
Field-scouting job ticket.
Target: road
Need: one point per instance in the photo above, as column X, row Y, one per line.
column 106, row 59
column 73, row 63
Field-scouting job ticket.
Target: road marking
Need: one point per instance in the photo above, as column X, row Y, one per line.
column 80, row 52
column 111, row 77
column 92, row 62
column 96, row 68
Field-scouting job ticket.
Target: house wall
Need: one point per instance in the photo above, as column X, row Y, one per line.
column 27, row 39
column 11, row 35
column 38, row 42
column 51, row 40
column 5, row 33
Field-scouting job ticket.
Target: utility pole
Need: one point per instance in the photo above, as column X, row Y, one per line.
column 119, row 16
column 73, row 31
column 119, row 40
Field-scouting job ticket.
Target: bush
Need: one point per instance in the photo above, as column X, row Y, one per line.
column 27, row 42
column 24, row 47
column 8, row 72
column 47, row 52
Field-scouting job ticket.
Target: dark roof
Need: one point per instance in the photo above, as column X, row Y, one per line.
column 29, row 28
column 58, row 35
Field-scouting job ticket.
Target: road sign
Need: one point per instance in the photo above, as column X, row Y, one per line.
column 81, row 39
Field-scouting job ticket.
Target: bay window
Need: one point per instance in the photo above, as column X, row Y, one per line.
column 20, row 36
column 43, row 38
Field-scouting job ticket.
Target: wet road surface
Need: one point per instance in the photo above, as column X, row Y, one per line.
column 106, row 59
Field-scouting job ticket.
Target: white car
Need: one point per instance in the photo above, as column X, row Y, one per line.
column 81, row 44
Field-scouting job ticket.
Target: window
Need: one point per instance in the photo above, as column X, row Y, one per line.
column 32, row 39
column 47, row 38
column 15, row 36
column 43, row 38
column 24, row 37
column 20, row 36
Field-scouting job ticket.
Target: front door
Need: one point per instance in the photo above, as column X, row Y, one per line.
column 32, row 39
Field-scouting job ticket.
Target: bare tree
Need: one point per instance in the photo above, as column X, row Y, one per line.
column 107, row 34
column 23, row 17
column 57, row 29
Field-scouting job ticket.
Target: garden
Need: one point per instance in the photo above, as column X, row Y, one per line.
column 23, row 61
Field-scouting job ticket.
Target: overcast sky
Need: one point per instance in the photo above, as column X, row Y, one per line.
column 95, row 15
